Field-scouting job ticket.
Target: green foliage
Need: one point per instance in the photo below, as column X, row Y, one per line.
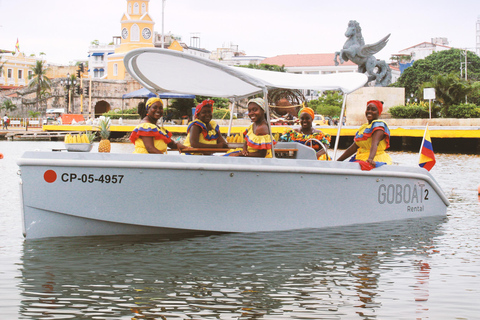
column 329, row 104
column 181, row 107
column 449, row 90
column 265, row 66
column 8, row 105
column 124, row 114
column 33, row 114
column 221, row 113
column 219, row 103
column 410, row 111
column 468, row 110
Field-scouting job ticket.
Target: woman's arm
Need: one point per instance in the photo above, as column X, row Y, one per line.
column 349, row 152
column 377, row 136
column 176, row 146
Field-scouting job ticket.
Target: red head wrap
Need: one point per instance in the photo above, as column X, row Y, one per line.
column 203, row 104
column 378, row 104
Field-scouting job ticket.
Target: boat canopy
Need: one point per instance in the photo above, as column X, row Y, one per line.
column 163, row 70
column 145, row 93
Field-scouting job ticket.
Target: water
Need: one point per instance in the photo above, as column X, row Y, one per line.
column 413, row 269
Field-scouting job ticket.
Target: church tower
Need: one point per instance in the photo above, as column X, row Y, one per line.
column 136, row 31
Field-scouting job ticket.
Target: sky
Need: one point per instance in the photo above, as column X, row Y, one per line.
column 64, row 29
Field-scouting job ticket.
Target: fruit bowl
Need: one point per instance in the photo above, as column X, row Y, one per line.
column 78, row 147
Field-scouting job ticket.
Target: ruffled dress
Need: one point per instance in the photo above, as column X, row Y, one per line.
column 255, row 142
column 291, row 135
column 363, row 139
column 207, row 136
column 161, row 137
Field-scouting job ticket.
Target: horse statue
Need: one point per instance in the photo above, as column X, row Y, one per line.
column 361, row 54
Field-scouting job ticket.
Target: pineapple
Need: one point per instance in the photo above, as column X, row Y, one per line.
column 104, row 127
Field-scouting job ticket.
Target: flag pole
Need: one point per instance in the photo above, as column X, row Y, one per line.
column 423, row 141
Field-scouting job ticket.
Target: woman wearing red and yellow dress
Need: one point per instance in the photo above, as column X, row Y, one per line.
column 306, row 133
column 148, row 137
column 203, row 132
column 258, row 142
column 372, row 139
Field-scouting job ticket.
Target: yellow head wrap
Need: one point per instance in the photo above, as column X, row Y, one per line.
column 152, row 101
column 307, row 110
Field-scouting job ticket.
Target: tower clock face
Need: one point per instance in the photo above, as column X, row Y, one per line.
column 124, row 33
column 146, row 33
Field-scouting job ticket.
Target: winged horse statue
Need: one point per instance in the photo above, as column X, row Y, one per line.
column 361, row 54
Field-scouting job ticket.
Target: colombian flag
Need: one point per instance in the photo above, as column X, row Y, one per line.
column 427, row 157
column 17, row 46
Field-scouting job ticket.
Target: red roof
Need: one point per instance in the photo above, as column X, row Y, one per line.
column 305, row 60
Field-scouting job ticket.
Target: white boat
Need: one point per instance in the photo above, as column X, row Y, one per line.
column 85, row 194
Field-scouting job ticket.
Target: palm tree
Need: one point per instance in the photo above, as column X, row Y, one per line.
column 8, row 105
column 449, row 90
column 39, row 80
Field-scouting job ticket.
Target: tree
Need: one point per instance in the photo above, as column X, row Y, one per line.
column 329, row 104
column 449, row 90
column 442, row 62
column 8, row 105
column 39, row 80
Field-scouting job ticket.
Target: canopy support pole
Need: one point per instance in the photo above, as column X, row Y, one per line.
column 232, row 101
column 267, row 112
column 340, row 121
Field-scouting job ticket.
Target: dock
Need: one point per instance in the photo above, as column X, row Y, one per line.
column 37, row 135
column 446, row 139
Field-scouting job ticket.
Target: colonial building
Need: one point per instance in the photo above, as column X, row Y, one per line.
column 16, row 70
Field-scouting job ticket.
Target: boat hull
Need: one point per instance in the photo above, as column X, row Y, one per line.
column 84, row 194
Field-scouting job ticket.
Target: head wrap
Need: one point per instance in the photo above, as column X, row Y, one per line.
column 258, row 101
column 307, row 110
column 203, row 104
column 152, row 101
column 378, row 104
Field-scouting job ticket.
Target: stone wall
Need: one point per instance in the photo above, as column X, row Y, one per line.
column 109, row 91
column 357, row 102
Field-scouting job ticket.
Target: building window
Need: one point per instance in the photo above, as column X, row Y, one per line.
column 20, row 74
column 135, row 33
column 30, row 74
column 129, row 8
column 144, row 8
column 9, row 73
column 115, row 69
column 135, row 8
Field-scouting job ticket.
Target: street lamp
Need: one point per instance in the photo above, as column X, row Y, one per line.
column 67, row 83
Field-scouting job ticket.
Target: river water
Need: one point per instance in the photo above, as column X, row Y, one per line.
column 412, row 269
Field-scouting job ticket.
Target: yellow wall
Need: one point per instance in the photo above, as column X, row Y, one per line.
column 15, row 63
column 175, row 46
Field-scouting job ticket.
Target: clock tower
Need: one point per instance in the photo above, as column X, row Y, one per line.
column 136, row 32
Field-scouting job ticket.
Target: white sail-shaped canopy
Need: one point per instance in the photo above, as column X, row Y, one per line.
column 163, row 70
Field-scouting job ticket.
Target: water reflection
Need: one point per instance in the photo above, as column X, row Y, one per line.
column 306, row 274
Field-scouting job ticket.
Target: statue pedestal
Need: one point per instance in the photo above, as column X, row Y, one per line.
column 357, row 102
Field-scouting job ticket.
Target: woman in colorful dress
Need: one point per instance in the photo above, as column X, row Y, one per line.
column 203, row 132
column 258, row 142
column 148, row 137
column 372, row 139
column 306, row 132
